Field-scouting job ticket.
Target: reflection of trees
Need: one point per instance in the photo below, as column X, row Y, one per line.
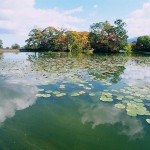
column 48, row 55
column 98, row 66
column 141, row 60
column 1, row 56
column 109, row 67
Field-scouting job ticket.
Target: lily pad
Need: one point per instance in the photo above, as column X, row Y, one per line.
column 75, row 94
column 40, row 90
column 121, row 106
column 48, row 91
column 148, row 121
column 120, row 97
column 106, row 99
column 43, row 95
column 81, row 92
column 60, row 94
column 62, row 86
column 91, row 94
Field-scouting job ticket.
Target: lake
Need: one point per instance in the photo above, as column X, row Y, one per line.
column 65, row 101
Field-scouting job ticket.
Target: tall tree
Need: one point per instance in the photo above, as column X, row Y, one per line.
column 35, row 39
column 1, row 44
column 120, row 33
column 105, row 37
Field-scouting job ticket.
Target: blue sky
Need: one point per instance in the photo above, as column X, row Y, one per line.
column 18, row 17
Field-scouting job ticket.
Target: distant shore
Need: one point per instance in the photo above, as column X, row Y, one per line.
column 9, row 50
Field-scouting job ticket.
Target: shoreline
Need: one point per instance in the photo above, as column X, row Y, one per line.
column 9, row 50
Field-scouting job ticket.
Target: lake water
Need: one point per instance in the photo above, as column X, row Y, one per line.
column 64, row 101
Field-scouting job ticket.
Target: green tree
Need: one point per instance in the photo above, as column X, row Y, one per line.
column 35, row 39
column 142, row 44
column 15, row 46
column 120, row 33
column 105, row 37
column 1, row 44
column 128, row 47
column 51, row 39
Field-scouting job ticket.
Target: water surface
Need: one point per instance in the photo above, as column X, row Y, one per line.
column 63, row 101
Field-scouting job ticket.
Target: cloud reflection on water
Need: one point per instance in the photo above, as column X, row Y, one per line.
column 14, row 97
column 98, row 114
column 134, row 73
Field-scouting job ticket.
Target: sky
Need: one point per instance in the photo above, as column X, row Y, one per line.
column 19, row 17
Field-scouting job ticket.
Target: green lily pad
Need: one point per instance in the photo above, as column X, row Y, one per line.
column 55, row 92
column 88, row 88
column 60, row 94
column 81, row 92
column 120, row 97
column 120, row 106
column 48, row 91
column 75, row 94
column 106, row 99
column 43, row 95
column 148, row 121
column 138, row 100
column 91, row 94
column 62, row 86
column 40, row 90
column 129, row 97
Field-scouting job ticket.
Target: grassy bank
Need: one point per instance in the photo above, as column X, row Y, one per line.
column 9, row 50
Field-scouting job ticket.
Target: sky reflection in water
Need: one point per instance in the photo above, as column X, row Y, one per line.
column 14, row 97
column 22, row 77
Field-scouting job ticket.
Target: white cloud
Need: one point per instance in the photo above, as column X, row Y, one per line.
column 95, row 6
column 14, row 97
column 20, row 17
column 100, row 114
column 68, row 12
column 139, row 21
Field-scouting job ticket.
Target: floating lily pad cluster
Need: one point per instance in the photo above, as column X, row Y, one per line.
column 135, row 99
column 48, row 93
column 46, row 69
column 106, row 97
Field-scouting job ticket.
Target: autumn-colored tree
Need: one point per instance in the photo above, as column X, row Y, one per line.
column 57, row 40
column 77, row 41
column 105, row 37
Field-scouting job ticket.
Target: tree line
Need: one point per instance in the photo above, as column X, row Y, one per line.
column 14, row 46
column 102, row 37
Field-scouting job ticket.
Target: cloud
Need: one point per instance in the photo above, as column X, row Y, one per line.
column 135, row 73
column 14, row 97
column 21, row 16
column 138, row 22
column 95, row 6
column 68, row 12
column 99, row 114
